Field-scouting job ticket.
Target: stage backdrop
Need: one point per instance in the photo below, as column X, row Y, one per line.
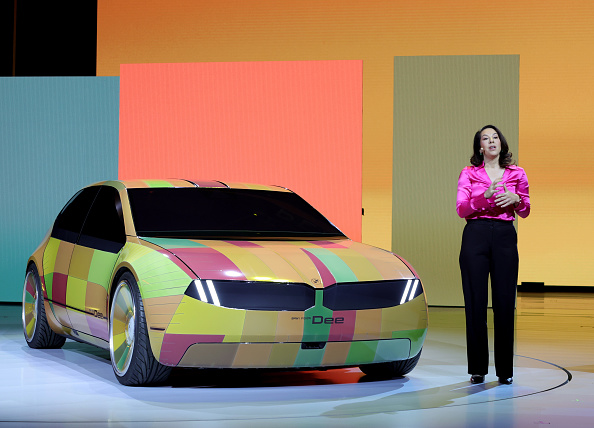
column 58, row 134
column 554, row 39
column 439, row 104
column 296, row 124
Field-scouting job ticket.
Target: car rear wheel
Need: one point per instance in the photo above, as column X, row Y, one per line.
column 391, row 369
column 129, row 347
column 37, row 331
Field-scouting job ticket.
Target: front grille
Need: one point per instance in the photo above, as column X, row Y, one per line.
column 274, row 296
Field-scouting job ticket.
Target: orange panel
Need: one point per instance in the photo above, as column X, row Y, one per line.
column 294, row 124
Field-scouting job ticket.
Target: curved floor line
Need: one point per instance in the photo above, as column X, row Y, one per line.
column 567, row 372
column 341, row 415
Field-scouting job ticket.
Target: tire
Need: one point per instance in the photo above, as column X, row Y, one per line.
column 38, row 333
column 131, row 355
column 392, row 369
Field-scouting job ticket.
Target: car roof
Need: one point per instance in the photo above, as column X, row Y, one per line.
column 172, row 183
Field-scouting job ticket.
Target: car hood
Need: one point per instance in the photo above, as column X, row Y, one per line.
column 318, row 263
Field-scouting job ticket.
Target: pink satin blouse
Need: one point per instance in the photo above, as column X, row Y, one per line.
column 474, row 182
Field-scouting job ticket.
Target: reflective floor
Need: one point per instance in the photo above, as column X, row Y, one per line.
column 553, row 383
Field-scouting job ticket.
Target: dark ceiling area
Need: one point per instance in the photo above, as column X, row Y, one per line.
column 48, row 38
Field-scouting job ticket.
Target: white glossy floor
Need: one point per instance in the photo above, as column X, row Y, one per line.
column 554, row 383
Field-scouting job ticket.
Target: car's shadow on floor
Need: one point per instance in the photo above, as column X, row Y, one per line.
column 254, row 378
column 90, row 360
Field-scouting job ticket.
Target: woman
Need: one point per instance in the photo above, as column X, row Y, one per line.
column 490, row 193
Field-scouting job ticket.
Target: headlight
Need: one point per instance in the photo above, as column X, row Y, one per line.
column 253, row 295
column 371, row 295
column 275, row 296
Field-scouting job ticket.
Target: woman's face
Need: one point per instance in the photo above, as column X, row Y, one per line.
column 490, row 143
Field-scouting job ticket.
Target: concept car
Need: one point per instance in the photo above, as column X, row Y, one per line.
column 180, row 273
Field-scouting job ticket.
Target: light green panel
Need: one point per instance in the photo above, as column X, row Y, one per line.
column 362, row 351
column 102, row 265
column 155, row 269
column 174, row 243
column 439, row 104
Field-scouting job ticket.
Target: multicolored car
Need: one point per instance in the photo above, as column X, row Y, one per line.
column 180, row 273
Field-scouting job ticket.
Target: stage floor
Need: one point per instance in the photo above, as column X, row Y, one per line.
column 553, row 383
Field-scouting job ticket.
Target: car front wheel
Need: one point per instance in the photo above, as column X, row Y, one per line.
column 129, row 347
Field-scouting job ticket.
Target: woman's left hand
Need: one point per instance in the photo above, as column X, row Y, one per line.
column 506, row 198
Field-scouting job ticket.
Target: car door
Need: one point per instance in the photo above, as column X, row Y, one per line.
column 58, row 252
column 92, row 263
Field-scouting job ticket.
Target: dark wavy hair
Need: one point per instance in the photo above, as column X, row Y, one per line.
column 505, row 157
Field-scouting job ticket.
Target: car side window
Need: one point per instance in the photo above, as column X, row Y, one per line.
column 104, row 227
column 72, row 217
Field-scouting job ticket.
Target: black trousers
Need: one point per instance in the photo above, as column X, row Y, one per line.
column 489, row 247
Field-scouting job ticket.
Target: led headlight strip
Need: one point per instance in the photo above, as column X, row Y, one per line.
column 253, row 295
column 272, row 296
column 371, row 295
column 214, row 298
column 407, row 289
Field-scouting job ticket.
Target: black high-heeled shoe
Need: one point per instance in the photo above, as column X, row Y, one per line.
column 506, row 380
column 477, row 378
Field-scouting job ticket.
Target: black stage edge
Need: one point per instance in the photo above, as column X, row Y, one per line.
column 540, row 287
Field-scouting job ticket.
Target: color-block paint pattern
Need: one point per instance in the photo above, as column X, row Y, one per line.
column 255, row 187
column 89, row 280
column 284, row 355
column 300, row 261
column 196, row 322
column 156, row 273
column 318, row 263
column 162, row 281
column 56, row 260
column 159, row 183
column 156, row 183
column 77, row 281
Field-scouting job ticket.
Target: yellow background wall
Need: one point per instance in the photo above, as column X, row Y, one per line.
column 554, row 39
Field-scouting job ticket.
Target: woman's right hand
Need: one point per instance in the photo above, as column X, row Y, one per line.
column 493, row 188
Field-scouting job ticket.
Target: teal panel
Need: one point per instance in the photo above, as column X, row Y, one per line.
column 314, row 327
column 339, row 269
column 392, row 350
column 174, row 243
column 309, row 357
column 58, row 134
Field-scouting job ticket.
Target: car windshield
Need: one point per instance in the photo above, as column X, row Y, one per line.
column 223, row 213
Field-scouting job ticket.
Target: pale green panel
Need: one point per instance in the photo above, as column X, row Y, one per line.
column 439, row 104
column 102, row 265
